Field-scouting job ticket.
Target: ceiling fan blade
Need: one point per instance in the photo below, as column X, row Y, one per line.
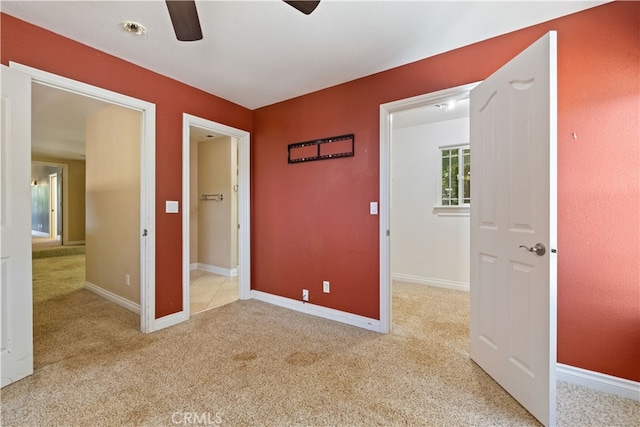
column 304, row 6
column 184, row 17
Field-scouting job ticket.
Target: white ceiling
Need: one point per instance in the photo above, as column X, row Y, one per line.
column 256, row 53
column 431, row 114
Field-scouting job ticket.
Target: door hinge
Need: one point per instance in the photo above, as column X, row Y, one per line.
column 144, row 233
column 388, row 233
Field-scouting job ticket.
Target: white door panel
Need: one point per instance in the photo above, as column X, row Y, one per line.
column 15, row 224
column 513, row 290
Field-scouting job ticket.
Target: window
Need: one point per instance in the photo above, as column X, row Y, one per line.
column 455, row 189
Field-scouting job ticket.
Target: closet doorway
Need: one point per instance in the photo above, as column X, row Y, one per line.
column 213, row 212
column 215, row 194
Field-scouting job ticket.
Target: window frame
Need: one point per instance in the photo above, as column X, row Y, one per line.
column 461, row 209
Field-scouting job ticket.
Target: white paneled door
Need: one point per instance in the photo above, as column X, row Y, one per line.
column 15, row 225
column 513, row 227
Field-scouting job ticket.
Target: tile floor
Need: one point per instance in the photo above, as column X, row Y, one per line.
column 210, row 290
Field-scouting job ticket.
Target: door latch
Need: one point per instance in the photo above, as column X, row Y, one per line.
column 538, row 249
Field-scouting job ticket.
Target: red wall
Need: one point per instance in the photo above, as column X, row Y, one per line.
column 311, row 221
column 38, row 48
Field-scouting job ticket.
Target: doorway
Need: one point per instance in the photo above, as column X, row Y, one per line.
column 201, row 193
column 387, row 111
column 144, row 113
column 429, row 208
column 47, row 202
column 213, row 214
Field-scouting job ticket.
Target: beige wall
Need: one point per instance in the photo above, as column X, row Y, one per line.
column 74, row 216
column 217, row 221
column 113, row 201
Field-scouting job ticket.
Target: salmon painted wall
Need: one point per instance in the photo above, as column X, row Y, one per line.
column 311, row 221
column 42, row 49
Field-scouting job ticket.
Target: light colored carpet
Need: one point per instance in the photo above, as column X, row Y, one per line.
column 47, row 248
column 249, row 363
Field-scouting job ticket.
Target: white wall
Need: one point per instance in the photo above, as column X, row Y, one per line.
column 426, row 247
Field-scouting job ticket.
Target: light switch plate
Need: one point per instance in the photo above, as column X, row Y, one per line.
column 171, row 206
column 373, row 208
column 326, row 286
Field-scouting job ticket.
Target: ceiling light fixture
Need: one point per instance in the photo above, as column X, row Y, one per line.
column 450, row 105
column 134, row 28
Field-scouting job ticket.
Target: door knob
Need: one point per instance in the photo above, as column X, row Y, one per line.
column 538, row 249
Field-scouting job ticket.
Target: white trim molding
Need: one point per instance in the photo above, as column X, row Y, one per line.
column 244, row 211
column 230, row 272
column 599, row 382
column 428, row 281
column 147, row 110
column 108, row 295
column 171, row 320
column 452, row 210
column 318, row 311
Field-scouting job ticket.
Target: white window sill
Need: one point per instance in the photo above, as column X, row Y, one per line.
column 451, row 210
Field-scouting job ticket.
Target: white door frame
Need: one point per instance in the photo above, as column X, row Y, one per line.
column 53, row 206
column 244, row 232
column 386, row 115
column 147, row 176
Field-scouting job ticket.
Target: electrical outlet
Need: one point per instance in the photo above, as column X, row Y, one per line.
column 126, row 280
column 305, row 295
column 325, row 286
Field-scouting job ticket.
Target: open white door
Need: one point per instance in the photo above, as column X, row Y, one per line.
column 15, row 224
column 513, row 212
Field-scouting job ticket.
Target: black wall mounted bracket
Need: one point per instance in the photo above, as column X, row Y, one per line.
column 322, row 149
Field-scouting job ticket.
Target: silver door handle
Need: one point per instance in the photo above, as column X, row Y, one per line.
column 538, row 249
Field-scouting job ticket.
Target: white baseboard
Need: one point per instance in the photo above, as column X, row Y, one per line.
column 319, row 311
column 439, row 283
column 122, row 302
column 170, row 320
column 39, row 233
column 599, row 382
column 193, row 266
column 217, row 270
